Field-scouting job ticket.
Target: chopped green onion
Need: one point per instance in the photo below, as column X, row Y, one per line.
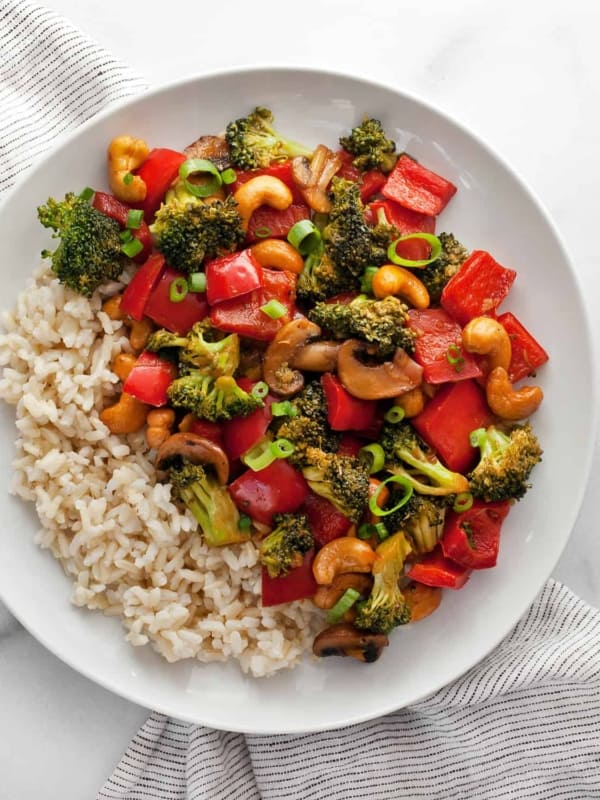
column 197, row 282
column 260, row 390
column 401, row 481
column 394, row 415
column 462, row 502
column 455, row 357
column 374, row 456
column 244, row 522
column 430, row 238
column 305, row 237
column 127, row 178
column 126, row 236
column 87, row 193
column 178, row 289
column 259, row 456
column 382, row 531
column 284, row 409
column 262, row 232
column 229, row 176
column 343, row 605
column 200, row 166
column 476, row 437
column 282, row 448
column 274, row 309
column 134, row 218
column 132, row 248
column 366, row 531
column 366, row 284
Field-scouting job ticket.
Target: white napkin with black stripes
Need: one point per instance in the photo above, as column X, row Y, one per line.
column 524, row 723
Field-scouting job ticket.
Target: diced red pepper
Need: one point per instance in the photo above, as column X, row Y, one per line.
column 350, row 445
column 243, row 315
column 281, row 170
column 418, row 188
column 277, row 489
column 406, row 221
column 158, row 172
column 347, row 171
column 342, row 299
column 345, row 412
column 438, row 347
column 447, row 420
column 269, row 223
column 298, row 584
column 232, row 275
column 472, row 538
column 371, row 182
column 241, row 433
column 478, row 288
column 140, row 287
column 325, row 521
column 527, row 353
column 207, row 430
column 436, row 570
column 115, row 209
column 177, row 317
column 150, row 378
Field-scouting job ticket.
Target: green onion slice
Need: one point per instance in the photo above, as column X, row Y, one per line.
column 134, row 218
column 401, row 481
column 374, row 457
column 244, row 522
column 455, row 357
column 259, row 456
column 132, row 248
column 394, row 415
column 200, row 166
column 381, row 531
column 305, row 237
column 462, row 502
column 126, row 236
column 87, row 193
column 343, row 605
column 476, row 437
column 178, row 289
column 366, row 530
column 263, row 232
column 260, row 390
column 284, row 409
column 282, row 448
column 430, row 238
column 197, row 282
column 366, row 284
column 228, row 176
column 127, row 178
column 274, row 309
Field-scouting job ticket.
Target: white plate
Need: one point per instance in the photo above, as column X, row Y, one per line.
column 492, row 210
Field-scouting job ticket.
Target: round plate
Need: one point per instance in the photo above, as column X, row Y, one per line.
column 492, row 210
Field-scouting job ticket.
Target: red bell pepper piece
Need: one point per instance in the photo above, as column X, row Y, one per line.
column 418, row 188
column 281, row 170
column 140, row 287
column 158, row 172
column 345, row 412
column 371, row 183
column 177, row 317
column 150, row 378
column 207, row 430
column 325, row 521
column 527, row 353
column 241, row 433
column 269, row 223
column 115, row 209
column 277, row 489
column 296, row 585
column 243, row 315
column 347, row 171
column 406, row 221
column 350, row 445
column 447, row 420
column 479, row 286
column 232, row 275
column 472, row 538
column 438, row 347
column 436, row 570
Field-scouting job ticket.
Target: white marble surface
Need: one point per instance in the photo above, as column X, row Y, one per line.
column 525, row 76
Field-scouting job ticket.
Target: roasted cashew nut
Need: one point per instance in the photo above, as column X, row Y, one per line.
column 327, row 596
column 422, row 600
column 264, row 190
column 122, row 365
column 159, row 423
column 399, row 282
column 124, row 155
column 507, row 402
column 346, row 554
column 277, row 254
column 412, row 402
column 128, row 415
column 487, row 337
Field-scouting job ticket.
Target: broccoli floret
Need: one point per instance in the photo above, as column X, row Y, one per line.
column 89, row 252
column 437, row 274
column 309, row 427
column 386, row 607
column 343, row 480
column 215, row 399
column 321, row 278
column 381, row 322
column 370, row 145
column 187, row 234
column 505, row 464
column 404, row 448
column 284, row 548
column 421, row 520
column 198, row 352
column 254, row 143
column 209, row 502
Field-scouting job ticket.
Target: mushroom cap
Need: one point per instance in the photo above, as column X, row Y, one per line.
column 196, row 449
column 344, row 639
column 390, row 379
column 281, row 352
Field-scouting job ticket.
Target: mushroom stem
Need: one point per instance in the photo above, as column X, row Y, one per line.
column 317, row 357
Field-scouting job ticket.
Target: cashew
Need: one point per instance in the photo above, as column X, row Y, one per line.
column 278, row 254
column 393, row 280
column 122, row 365
column 160, row 421
column 112, row 308
column 128, row 415
column 124, row 155
column 264, row 190
column 487, row 337
column 345, row 554
column 422, row 600
column 412, row 402
column 140, row 333
column 327, row 596
column 510, row 403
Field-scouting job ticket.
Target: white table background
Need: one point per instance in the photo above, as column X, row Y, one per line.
column 525, row 76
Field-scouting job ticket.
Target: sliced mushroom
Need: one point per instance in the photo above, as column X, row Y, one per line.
column 380, row 381
column 278, row 370
column 313, row 177
column 196, row 449
column 213, row 148
column 344, row 639
column 317, row 357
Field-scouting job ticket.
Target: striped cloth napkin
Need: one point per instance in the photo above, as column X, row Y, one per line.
column 524, row 723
